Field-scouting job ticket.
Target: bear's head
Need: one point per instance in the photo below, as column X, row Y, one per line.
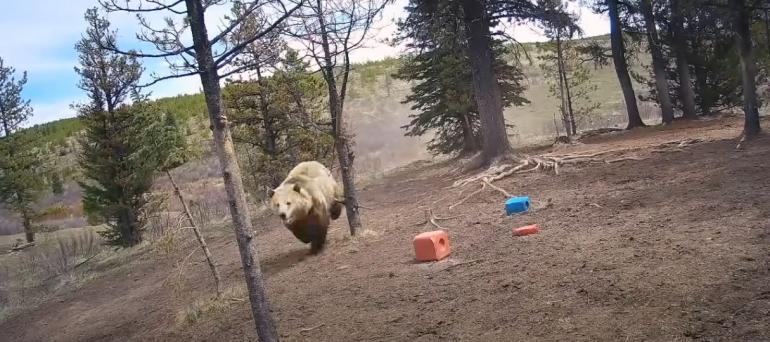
column 290, row 202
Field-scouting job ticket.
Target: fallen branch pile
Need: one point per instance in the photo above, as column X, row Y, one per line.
column 553, row 163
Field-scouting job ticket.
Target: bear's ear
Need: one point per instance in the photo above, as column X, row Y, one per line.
column 296, row 187
column 270, row 193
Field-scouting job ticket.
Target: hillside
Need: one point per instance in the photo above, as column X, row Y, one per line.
column 376, row 114
column 617, row 259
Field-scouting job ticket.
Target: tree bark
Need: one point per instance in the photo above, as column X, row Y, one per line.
column 701, row 85
column 621, row 67
column 565, row 116
column 658, row 63
column 742, row 24
column 494, row 142
column 198, row 235
column 567, row 92
column 686, row 94
column 126, row 224
column 345, row 153
column 29, row 234
column 244, row 231
column 469, row 139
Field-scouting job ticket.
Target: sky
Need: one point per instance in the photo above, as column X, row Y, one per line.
column 39, row 37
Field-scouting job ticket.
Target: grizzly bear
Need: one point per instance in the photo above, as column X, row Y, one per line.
column 306, row 201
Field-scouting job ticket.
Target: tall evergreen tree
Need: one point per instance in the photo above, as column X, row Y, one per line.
column 621, row 64
column 117, row 164
column 705, row 49
column 481, row 26
column 569, row 80
column 443, row 95
column 563, row 66
column 713, row 59
column 20, row 164
column 479, row 23
column 679, row 47
column 658, row 62
column 742, row 19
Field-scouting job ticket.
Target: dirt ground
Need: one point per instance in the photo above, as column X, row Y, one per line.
column 674, row 247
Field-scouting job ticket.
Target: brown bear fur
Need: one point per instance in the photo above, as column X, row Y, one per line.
column 307, row 200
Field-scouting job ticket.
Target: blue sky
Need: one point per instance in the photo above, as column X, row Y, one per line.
column 39, row 37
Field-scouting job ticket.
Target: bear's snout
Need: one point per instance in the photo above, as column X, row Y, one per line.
column 282, row 216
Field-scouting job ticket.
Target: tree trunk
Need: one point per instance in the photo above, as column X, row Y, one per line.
column 562, row 85
column 658, row 63
column 704, row 100
column 686, row 94
column 196, row 230
column 127, row 226
column 494, row 142
column 570, row 110
column 748, row 68
column 621, row 67
column 345, row 154
column 469, row 139
column 29, row 234
column 231, row 174
column 701, row 85
column 568, row 93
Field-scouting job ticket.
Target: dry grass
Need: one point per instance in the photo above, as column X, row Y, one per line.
column 61, row 261
column 207, row 307
column 29, row 277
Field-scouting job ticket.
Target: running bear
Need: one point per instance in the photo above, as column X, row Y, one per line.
column 307, row 200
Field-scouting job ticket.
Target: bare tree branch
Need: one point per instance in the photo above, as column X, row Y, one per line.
column 239, row 47
column 112, row 6
column 167, row 77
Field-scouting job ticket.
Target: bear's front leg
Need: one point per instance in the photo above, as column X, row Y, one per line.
column 336, row 210
column 317, row 238
column 300, row 231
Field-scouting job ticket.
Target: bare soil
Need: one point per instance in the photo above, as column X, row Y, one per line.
column 674, row 247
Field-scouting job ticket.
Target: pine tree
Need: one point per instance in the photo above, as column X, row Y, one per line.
column 741, row 13
column 563, row 66
column 620, row 61
column 276, row 122
column 20, row 163
column 56, row 182
column 208, row 57
column 646, row 7
column 116, row 157
column 443, row 93
column 569, row 80
column 709, row 52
